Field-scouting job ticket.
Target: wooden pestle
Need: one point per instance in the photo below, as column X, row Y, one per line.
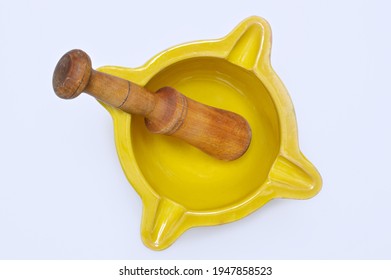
column 219, row 133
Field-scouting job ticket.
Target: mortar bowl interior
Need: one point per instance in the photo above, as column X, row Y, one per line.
column 186, row 175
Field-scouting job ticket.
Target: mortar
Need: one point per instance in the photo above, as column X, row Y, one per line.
column 181, row 186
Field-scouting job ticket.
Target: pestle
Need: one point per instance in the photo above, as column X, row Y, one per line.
column 219, row 133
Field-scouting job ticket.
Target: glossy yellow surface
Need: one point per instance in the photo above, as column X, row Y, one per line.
column 182, row 187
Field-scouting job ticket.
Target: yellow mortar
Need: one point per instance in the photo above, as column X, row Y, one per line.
column 182, row 187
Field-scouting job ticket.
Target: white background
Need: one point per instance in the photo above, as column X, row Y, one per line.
column 63, row 194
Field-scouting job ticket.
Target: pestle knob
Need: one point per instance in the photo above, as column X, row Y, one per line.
column 219, row 133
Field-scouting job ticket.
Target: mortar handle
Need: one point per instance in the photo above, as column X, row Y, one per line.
column 222, row 134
